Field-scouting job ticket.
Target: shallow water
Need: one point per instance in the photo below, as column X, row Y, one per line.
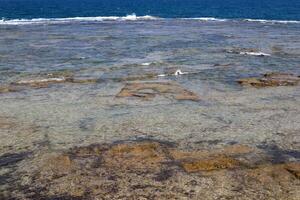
column 112, row 51
column 65, row 115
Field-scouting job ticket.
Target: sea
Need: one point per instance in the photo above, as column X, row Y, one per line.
column 229, row 9
column 213, row 43
column 141, row 99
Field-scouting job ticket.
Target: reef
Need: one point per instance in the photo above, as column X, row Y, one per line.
column 44, row 82
column 150, row 169
column 271, row 80
column 149, row 90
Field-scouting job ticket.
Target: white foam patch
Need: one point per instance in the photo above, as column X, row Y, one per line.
column 207, row 19
column 146, row 64
column 177, row 73
column 254, row 53
column 132, row 17
column 264, row 21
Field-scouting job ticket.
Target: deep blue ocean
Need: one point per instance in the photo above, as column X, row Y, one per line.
column 254, row 9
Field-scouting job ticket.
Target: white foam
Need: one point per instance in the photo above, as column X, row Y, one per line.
column 177, row 73
column 132, row 17
column 264, row 21
column 208, row 19
column 254, row 53
column 146, row 64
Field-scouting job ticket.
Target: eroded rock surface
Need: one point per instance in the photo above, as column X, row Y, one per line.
column 271, row 80
column 149, row 90
column 44, row 82
column 157, row 170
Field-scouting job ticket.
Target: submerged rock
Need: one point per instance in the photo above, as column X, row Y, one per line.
column 47, row 81
column 40, row 83
column 8, row 88
column 215, row 163
column 149, row 90
column 156, row 170
column 248, row 51
column 271, row 80
column 44, row 82
column 146, row 76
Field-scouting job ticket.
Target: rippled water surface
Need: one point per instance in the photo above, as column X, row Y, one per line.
column 115, row 51
column 67, row 84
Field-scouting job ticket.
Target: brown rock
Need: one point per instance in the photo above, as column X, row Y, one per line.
column 209, row 164
column 271, row 80
column 148, row 90
column 144, row 155
column 44, row 82
column 293, row 168
column 232, row 150
column 280, row 173
column 57, row 165
column 152, row 170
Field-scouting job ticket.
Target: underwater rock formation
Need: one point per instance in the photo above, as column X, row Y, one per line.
column 153, row 169
column 271, row 80
column 148, row 90
column 44, row 82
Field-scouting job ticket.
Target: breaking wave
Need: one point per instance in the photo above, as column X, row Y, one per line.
column 132, row 17
column 207, row 19
column 264, row 21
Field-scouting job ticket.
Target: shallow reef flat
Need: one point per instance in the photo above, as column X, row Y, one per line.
column 152, row 169
column 271, row 80
column 151, row 139
column 162, row 109
column 148, row 90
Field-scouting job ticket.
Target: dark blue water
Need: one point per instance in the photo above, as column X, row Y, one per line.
column 255, row 9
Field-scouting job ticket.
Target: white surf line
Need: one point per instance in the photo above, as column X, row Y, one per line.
column 264, row 21
column 132, row 17
column 206, row 19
